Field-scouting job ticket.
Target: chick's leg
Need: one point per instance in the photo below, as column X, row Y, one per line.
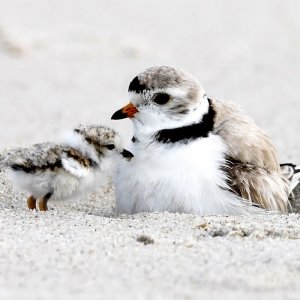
column 31, row 202
column 43, row 202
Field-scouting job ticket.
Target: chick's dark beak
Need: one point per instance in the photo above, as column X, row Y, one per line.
column 127, row 154
column 127, row 111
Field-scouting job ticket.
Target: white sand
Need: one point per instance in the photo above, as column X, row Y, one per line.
column 63, row 62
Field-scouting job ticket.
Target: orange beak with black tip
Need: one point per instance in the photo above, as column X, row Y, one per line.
column 127, row 111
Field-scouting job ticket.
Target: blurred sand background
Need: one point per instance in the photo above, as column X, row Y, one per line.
column 65, row 62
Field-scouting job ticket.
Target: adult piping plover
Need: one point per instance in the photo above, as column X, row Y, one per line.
column 194, row 154
column 62, row 171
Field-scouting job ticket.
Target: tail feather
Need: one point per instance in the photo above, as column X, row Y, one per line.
column 292, row 173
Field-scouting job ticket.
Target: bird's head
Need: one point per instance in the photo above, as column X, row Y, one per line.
column 101, row 140
column 163, row 97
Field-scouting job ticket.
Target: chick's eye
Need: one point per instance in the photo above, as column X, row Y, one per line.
column 110, row 147
column 161, row 98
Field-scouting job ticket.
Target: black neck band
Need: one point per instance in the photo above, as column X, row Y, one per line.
column 190, row 132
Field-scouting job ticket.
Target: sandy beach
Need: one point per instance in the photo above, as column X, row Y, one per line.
column 68, row 62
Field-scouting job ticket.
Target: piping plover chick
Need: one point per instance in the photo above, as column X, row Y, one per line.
column 194, row 154
column 68, row 170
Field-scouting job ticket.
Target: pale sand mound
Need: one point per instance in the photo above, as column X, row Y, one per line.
column 84, row 250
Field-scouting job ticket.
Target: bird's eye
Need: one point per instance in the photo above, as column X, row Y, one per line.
column 110, row 147
column 161, row 98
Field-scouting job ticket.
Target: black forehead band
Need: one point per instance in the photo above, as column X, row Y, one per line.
column 136, row 86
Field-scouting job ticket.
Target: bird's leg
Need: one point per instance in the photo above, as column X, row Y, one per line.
column 31, row 202
column 43, row 202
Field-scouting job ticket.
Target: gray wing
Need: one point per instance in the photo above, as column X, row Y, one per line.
column 253, row 170
column 246, row 142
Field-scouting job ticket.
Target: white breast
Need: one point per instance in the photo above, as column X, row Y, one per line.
column 177, row 178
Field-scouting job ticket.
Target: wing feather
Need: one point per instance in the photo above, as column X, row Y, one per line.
column 252, row 168
column 74, row 167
